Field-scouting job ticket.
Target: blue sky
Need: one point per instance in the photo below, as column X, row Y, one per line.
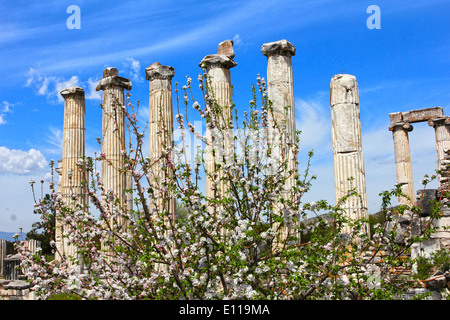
column 404, row 65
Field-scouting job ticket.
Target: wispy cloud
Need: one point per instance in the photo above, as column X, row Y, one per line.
column 49, row 86
column 220, row 19
column 92, row 94
column 313, row 120
column 54, row 138
column 237, row 40
column 133, row 70
column 5, row 107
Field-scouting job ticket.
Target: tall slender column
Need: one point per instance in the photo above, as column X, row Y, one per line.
column 73, row 180
column 2, row 256
column 58, row 221
column 349, row 170
column 280, row 84
column 114, row 177
column 403, row 167
column 280, row 87
column 219, row 123
column 442, row 130
column 161, row 130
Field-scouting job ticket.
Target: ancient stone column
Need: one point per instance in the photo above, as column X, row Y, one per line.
column 280, row 84
column 2, row 256
column 73, row 180
column 219, row 130
column 349, row 171
column 442, row 130
column 58, row 223
column 113, row 126
column 280, row 88
column 161, row 131
column 403, row 167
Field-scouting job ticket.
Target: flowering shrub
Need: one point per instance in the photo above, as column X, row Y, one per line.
column 233, row 245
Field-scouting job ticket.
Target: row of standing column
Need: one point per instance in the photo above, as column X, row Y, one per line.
column 72, row 185
column 345, row 124
column 161, row 115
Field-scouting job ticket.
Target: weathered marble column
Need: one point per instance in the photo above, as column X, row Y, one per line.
column 2, row 256
column 58, row 223
column 280, row 88
column 219, row 130
column 442, row 130
column 403, row 167
column 280, row 84
column 161, row 130
column 73, row 181
column 347, row 146
column 114, row 177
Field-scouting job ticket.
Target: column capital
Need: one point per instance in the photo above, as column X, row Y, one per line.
column 277, row 48
column 441, row 120
column 401, row 125
column 111, row 77
column 157, row 71
column 217, row 61
column 72, row 91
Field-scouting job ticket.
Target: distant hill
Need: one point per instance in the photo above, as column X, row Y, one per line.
column 8, row 236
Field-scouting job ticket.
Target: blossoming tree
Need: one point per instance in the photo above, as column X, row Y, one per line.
column 221, row 247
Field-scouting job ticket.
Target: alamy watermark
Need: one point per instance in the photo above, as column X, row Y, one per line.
column 374, row 20
column 74, row 20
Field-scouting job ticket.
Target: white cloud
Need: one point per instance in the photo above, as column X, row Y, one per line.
column 93, row 94
column 237, row 40
column 49, row 86
column 134, row 69
column 6, row 107
column 63, row 84
column 313, row 120
column 55, row 139
column 21, row 162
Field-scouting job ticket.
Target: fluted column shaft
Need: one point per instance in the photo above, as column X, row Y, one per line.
column 280, row 84
column 403, row 167
column 347, row 146
column 219, row 130
column 113, row 127
column 161, row 130
column 73, row 179
column 442, row 131
column 280, row 89
column 73, row 144
column 2, row 256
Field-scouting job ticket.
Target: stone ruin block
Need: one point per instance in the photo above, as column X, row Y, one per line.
column 426, row 200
